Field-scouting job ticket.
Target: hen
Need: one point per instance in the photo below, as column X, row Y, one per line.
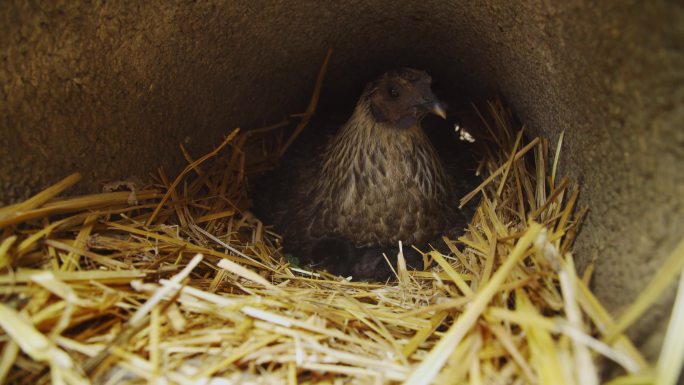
column 378, row 181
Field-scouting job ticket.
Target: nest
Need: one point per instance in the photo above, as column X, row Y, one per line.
column 177, row 283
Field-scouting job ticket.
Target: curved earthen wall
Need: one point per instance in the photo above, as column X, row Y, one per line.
column 111, row 89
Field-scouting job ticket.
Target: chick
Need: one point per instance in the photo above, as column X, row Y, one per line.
column 378, row 181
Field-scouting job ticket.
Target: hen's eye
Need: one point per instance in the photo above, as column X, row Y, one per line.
column 393, row 93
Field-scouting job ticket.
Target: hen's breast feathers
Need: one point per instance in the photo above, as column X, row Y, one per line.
column 376, row 185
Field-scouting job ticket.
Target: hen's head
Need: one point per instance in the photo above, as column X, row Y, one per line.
column 402, row 97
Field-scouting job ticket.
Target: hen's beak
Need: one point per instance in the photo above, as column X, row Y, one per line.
column 437, row 108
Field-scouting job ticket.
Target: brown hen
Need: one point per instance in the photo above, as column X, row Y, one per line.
column 378, row 181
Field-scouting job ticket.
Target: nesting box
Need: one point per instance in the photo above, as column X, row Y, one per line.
column 110, row 90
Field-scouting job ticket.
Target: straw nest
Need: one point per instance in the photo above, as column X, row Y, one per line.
column 177, row 283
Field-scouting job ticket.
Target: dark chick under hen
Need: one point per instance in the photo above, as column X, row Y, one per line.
column 377, row 181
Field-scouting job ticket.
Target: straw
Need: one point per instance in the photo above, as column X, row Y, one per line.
column 182, row 284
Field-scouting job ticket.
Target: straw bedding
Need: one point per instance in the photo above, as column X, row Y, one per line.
column 176, row 282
